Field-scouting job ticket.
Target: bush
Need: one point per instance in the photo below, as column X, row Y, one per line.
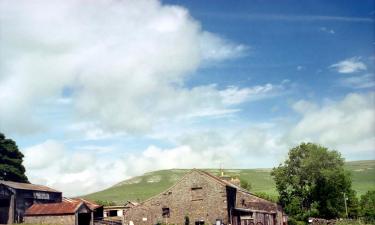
column 271, row 198
column 367, row 205
column 292, row 221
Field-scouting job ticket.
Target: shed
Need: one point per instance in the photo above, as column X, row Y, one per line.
column 67, row 212
column 97, row 209
column 16, row 197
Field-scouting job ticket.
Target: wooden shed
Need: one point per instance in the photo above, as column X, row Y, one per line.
column 16, row 197
column 67, row 212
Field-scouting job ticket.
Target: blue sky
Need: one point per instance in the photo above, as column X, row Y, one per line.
column 135, row 86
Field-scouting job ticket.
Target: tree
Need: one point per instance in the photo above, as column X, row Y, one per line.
column 11, row 159
column 245, row 184
column 367, row 205
column 312, row 182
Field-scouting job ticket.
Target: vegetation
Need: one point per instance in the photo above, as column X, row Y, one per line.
column 245, row 184
column 105, row 203
column 11, row 168
column 271, row 198
column 313, row 182
column 367, row 206
column 143, row 187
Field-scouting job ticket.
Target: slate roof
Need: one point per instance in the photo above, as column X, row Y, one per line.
column 27, row 186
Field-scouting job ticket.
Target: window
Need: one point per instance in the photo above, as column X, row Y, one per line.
column 196, row 193
column 199, row 222
column 165, row 212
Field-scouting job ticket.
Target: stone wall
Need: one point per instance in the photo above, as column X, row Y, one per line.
column 197, row 196
column 267, row 213
column 63, row 219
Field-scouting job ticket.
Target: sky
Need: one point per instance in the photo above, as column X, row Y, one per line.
column 97, row 92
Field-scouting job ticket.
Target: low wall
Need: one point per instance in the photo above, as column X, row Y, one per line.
column 63, row 219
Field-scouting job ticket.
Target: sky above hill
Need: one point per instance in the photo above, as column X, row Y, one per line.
column 94, row 93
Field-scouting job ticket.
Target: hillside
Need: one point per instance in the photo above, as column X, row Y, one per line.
column 142, row 187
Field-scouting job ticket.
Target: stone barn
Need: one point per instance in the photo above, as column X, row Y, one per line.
column 67, row 212
column 201, row 198
column 16, row 197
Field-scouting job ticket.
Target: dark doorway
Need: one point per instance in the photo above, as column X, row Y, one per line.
column 84, row 218
column 112, row 213
column 4, row 210
column 199, row 222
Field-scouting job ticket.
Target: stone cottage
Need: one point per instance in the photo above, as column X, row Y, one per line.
column 201, row 198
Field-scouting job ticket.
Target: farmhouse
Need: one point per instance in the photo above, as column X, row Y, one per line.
column 67, row 212
column 16, row 197
column 201, row 198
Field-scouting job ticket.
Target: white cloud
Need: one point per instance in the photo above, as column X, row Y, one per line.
column 227, row 50
column 346, row 125
column 73, row 171
column 358, row 82
column 350, row 65
column 235, row 95
column 125, row 62
column 40, row 156
column 299, row 68
column 348, row 122
column 327, row 30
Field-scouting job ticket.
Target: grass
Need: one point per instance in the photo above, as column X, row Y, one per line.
column 142, row 187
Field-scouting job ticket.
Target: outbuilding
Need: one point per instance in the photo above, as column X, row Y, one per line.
column 67, row 212
column 16, row 198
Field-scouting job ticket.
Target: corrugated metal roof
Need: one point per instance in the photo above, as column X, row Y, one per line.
column 26, row 186
column 67, row 206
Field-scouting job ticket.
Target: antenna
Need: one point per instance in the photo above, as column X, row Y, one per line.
column 221, row 169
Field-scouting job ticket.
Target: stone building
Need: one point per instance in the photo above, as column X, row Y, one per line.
column 16, row 197
column 201, row 198
column 67, row 212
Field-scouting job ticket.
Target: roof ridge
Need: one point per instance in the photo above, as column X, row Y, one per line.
column 20, row 185
column 180, row 180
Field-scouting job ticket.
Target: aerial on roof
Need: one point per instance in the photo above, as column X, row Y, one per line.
column 67, row 206
column 26, row 186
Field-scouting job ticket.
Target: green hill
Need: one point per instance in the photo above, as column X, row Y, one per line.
column 142, row 187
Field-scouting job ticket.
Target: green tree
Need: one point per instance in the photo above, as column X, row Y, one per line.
column 367, row 205
column 312, row 182
column 11, row 158
column 245, row 184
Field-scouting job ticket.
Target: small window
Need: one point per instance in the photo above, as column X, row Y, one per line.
column 196, row 193
column 196, row 188
column 165, row 212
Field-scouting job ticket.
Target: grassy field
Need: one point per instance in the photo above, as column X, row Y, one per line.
column 142, row 187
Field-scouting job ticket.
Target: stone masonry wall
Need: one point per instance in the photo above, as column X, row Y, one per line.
column 197, row 196
column 264, row 209
column 63, row 220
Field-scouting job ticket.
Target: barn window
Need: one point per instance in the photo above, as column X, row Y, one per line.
column 196, row 193
column 165, row 212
